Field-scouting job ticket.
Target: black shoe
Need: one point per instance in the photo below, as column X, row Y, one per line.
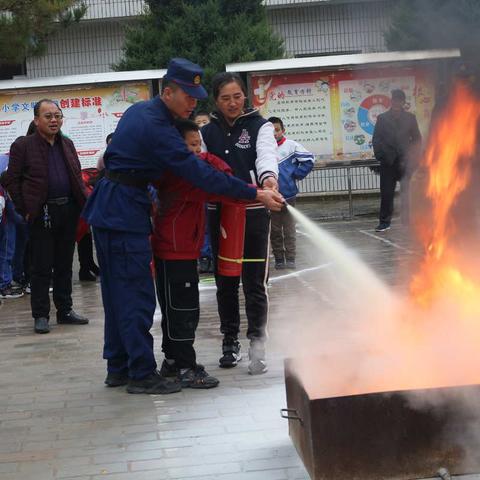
column 231, row 354
column 116, row 379
column 196, row 378
column 153, row 384
column 256, row 354
column 71, row 318
column 290, row 264
column 168, row 370
column 279, row 264
column 382, row 227
column 86, row 276
column 41, row 325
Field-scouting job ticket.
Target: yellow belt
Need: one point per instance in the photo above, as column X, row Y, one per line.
column 241, row 260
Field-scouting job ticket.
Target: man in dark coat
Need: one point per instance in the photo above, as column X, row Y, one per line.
column 45, row 183
column 396, row 142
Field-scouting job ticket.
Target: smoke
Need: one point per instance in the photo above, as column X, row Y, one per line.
column 350, row 334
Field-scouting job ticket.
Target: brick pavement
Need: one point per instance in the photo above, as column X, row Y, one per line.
column 58, row 421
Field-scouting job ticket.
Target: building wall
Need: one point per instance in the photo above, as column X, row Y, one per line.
column 88, row 47
column 93, row 45
column 331, row 28
column 309, row 27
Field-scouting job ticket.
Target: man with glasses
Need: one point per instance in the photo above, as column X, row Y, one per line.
column 45, row 183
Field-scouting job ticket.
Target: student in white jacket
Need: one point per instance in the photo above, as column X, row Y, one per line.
column 295, row 163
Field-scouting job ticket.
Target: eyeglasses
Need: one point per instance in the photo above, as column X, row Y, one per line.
column 49, row 116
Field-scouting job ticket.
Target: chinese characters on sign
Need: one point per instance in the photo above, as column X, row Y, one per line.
column 304, row 107
column 89, row 115
column 334, row 113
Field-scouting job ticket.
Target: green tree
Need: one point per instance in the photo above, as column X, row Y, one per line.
column 25, row 25
column 426, row 24
column 211, row 33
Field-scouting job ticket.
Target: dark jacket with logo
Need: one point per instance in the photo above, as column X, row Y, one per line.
column 236, row 145
column 27, row 176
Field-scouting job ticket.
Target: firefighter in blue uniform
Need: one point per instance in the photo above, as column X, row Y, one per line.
column 145, row 144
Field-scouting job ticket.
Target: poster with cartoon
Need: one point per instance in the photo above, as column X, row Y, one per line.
column 303, row 103
column 361, row 101
column 90, row 114
column 333, row 113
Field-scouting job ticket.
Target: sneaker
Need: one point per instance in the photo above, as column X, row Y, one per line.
column 196, row 378
column 382, row 227
column 168, row 370
column 256, row 354
column 10, row 292
column 71, row 318
column 116, row 379
column 290, row 264
column 279, row 265
column 18, row 285
column 231, row 354
column 153, row 384
column 28, row 289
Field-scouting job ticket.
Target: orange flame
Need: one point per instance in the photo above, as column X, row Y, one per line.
column 448, row 159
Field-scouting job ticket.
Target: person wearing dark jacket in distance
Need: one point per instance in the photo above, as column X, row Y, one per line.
column 45, row 183
column 396, row 143
column 245, row 141
column 144, row 147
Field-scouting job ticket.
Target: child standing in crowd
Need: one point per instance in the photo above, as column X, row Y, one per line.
column 8, row 217
column 202, row 118
column 295, row 163
column 179, row 223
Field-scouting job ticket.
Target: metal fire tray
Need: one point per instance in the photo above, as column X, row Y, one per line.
column 380, row 435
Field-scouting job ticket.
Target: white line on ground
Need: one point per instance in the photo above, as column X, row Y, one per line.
column 388, row 242
column 296, row 273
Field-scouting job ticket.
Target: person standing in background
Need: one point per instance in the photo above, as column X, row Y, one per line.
column 205, row 263
column 45, row 183
column 396, row 144
column 295, row 163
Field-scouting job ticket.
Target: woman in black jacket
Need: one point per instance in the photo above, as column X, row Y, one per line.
column 244, row 140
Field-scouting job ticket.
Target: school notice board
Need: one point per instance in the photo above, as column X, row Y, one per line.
column 90, row 114
column 333, row 114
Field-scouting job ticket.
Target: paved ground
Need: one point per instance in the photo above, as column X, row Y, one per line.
column 58, row 421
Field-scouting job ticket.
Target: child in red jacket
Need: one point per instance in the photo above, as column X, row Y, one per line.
column 179, row 225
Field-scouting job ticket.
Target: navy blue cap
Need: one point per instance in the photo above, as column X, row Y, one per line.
column 188, row 76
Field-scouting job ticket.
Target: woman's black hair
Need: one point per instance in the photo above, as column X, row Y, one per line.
column 223, row 78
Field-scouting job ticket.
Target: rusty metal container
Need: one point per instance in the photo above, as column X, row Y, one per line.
column 378, row 436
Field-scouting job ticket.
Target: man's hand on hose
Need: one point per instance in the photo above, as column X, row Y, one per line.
column 271, row 199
